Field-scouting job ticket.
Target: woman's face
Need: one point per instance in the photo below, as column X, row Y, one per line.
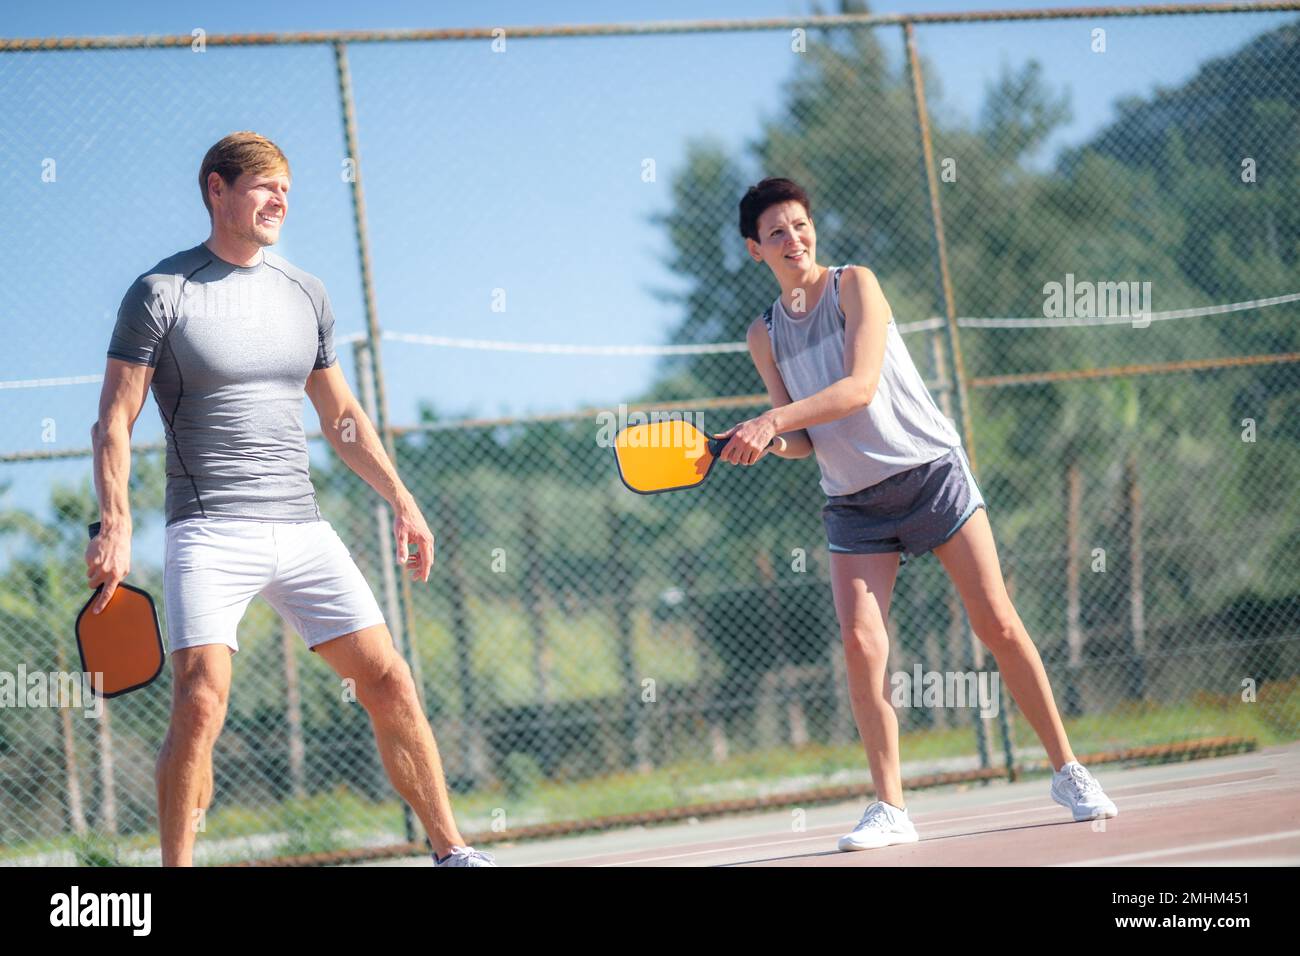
column 787, row 240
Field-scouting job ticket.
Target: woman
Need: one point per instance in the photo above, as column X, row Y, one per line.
column 897, row 481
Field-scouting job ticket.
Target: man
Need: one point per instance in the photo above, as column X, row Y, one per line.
column 229, row 336
column 843, row 386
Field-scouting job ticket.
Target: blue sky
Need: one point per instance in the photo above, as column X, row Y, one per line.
column 518, row 171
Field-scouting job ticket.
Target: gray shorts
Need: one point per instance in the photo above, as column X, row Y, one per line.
column 912, row 512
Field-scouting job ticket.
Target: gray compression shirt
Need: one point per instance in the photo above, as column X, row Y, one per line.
column 231, row 349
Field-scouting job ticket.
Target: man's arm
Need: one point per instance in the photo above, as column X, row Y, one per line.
column 866, row 321
column 108, row 556
column 352, row 435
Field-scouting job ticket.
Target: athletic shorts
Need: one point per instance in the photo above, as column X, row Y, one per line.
column 912, row 512
column 216, row 566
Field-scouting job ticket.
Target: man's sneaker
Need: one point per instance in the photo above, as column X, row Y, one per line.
column 881, row 825
column 465, row 856
column 1074, row 788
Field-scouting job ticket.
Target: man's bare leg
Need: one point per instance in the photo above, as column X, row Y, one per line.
column 410, row 755
column 200, row 691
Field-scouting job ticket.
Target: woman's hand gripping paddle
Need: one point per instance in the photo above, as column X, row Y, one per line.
column 668, row 456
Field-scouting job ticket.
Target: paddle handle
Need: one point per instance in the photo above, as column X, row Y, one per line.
column 717, row 444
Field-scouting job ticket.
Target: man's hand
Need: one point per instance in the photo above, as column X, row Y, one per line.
column 410, row 528
column 108, row 559
column 749, row 440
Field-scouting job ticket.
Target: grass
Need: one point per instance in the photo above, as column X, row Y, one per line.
column 97, row 849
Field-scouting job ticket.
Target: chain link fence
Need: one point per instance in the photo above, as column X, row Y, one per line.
column 587, row 656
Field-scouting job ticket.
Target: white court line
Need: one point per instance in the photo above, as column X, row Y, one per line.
column 831, row 829
column 823, row 832
column 1178, row 851
column 715, row 850
column 826, row 829
column 1098, row 862
column 926, row 839
column 1117, row 791
column 648, row 859
column 1251, row 861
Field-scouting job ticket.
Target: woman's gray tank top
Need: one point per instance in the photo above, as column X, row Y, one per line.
column 901, row 428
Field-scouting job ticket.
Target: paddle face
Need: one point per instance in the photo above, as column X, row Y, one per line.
column 122, row 642
column 121, row 646
column 663, row 456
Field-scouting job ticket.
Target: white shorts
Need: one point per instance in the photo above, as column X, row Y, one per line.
column 215, row 566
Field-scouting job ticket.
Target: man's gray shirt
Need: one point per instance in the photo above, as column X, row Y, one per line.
column 231, row 349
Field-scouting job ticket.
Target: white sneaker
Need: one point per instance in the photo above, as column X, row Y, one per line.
column 465, row 856
column 1074, row 788
column 881, row 825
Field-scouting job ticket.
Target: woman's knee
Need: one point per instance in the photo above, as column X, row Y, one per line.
column 866, row 643
column 999, row 627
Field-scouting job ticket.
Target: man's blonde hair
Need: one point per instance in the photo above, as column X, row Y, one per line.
column 242, row 152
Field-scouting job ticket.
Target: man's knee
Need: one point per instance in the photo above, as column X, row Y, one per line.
column 387, row 683
column 199, row 709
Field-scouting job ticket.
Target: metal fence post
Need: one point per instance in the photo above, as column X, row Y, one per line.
column 374, row 397
column 473, row 746
column 950, row 310
column 635, row 729
column 940, row 244
column 383, row 544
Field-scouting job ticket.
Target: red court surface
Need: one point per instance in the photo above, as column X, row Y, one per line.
column 1237, row 810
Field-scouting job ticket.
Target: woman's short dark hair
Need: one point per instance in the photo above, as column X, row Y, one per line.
column 769, row 192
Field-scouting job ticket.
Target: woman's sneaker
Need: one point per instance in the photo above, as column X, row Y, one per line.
column 1074, row 788
column 881, row 825
column 465, row 856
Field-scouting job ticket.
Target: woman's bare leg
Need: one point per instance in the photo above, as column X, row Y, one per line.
column 971, row 560
column 862, row 585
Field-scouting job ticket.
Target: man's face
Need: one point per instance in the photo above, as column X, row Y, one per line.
column 787, row 241
column 254, row 207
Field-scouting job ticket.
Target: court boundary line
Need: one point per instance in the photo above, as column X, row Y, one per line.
column 1192, row 848
column 816, row 833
